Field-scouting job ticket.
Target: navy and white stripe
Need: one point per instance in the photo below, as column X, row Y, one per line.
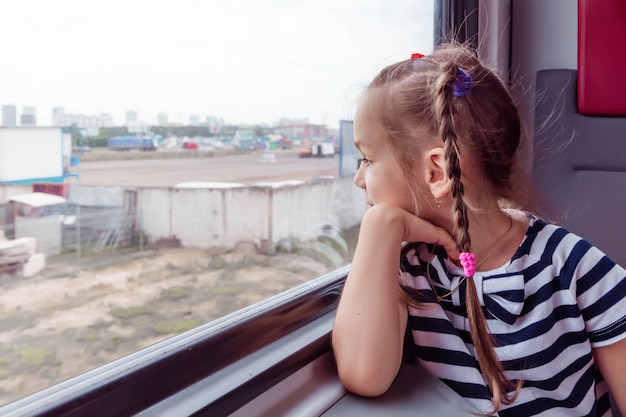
column 567, row 299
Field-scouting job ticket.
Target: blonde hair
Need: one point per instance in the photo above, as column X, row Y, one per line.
column 416, row 104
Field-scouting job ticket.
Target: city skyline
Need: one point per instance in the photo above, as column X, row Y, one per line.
column 61, row 118
column 240, row 61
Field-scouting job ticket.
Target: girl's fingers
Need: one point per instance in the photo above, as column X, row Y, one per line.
column 424, row 231
column 448, row 244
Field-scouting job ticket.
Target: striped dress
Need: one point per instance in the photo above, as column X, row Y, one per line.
column 556, row 299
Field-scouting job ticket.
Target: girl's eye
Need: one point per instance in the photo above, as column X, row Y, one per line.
column 365, row 161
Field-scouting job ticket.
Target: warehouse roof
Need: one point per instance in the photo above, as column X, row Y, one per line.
column 38, row 199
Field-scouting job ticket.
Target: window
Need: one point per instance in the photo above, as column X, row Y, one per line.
column 195, row 145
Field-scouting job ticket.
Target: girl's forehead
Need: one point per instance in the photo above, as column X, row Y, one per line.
column 368, row 134
column 366, row 114
column 370, row 102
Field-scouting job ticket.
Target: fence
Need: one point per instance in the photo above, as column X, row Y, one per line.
column 113, row 220
column 96, row 230
column 266, row 215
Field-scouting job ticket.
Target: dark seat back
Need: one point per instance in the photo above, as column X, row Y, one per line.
column 580, row 164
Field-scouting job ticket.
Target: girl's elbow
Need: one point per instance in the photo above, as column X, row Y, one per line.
column 364, row 390
column 364, row 382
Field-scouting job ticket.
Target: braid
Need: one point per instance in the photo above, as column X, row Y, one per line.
column 485, row 352
column 451, row 152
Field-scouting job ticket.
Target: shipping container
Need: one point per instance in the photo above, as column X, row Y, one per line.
column 128, row 143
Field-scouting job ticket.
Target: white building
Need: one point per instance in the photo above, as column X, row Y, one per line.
column 33, row 154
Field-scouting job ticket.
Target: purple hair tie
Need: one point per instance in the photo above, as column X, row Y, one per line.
column 463, row 83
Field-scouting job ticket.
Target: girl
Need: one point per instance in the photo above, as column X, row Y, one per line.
column 518, row 316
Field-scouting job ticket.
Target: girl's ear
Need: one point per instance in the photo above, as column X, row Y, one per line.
column 436, row 172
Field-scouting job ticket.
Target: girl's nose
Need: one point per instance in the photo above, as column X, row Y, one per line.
column 358, row 178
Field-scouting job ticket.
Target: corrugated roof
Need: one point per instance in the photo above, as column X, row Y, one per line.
column 38, row 199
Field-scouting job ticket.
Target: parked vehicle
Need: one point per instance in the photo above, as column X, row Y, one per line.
column 190, row 145
column 81, row 149
column 127, row 143
column 319, row 150
column 304, row 153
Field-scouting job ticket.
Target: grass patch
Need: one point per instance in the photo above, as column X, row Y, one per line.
column 3, row 371
column 176, row 293
column 88, row 335
column 127, row 313
column 217, row 262
column 228, row 290
column 176, row 326
column 35, row 356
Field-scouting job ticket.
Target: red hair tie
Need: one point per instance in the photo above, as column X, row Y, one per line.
column 417, row 55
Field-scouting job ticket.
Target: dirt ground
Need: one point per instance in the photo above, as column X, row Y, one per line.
column 66, row 320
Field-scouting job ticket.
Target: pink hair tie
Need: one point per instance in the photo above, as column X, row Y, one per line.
column 468, row 261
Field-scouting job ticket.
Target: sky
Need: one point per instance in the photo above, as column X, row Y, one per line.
column 243, row 61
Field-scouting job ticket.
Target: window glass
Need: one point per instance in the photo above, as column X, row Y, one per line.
column 164, row 163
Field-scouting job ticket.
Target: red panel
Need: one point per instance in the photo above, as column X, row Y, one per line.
column 62, row 190
column 602, row 57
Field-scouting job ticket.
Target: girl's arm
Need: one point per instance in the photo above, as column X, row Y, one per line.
column 369, row 327
column 612, row 363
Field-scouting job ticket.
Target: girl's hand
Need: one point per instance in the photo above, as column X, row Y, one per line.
column 416, row 229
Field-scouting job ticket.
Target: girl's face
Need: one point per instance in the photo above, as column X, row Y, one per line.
column 379, row 174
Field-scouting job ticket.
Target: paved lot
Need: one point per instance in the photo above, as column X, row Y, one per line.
column 247, row 169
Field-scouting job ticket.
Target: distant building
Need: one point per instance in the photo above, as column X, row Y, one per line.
column 57, row 116
column 214, row 124
column 161, row 119
column 29, row 116
column 228, row 131
column 302, row 130
column 106, row 119
column 194, row 120
column 62, row 119
column 134, row 124
column 284, row 121
column 131, row 117
column 9, row 115
column 137, row 127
